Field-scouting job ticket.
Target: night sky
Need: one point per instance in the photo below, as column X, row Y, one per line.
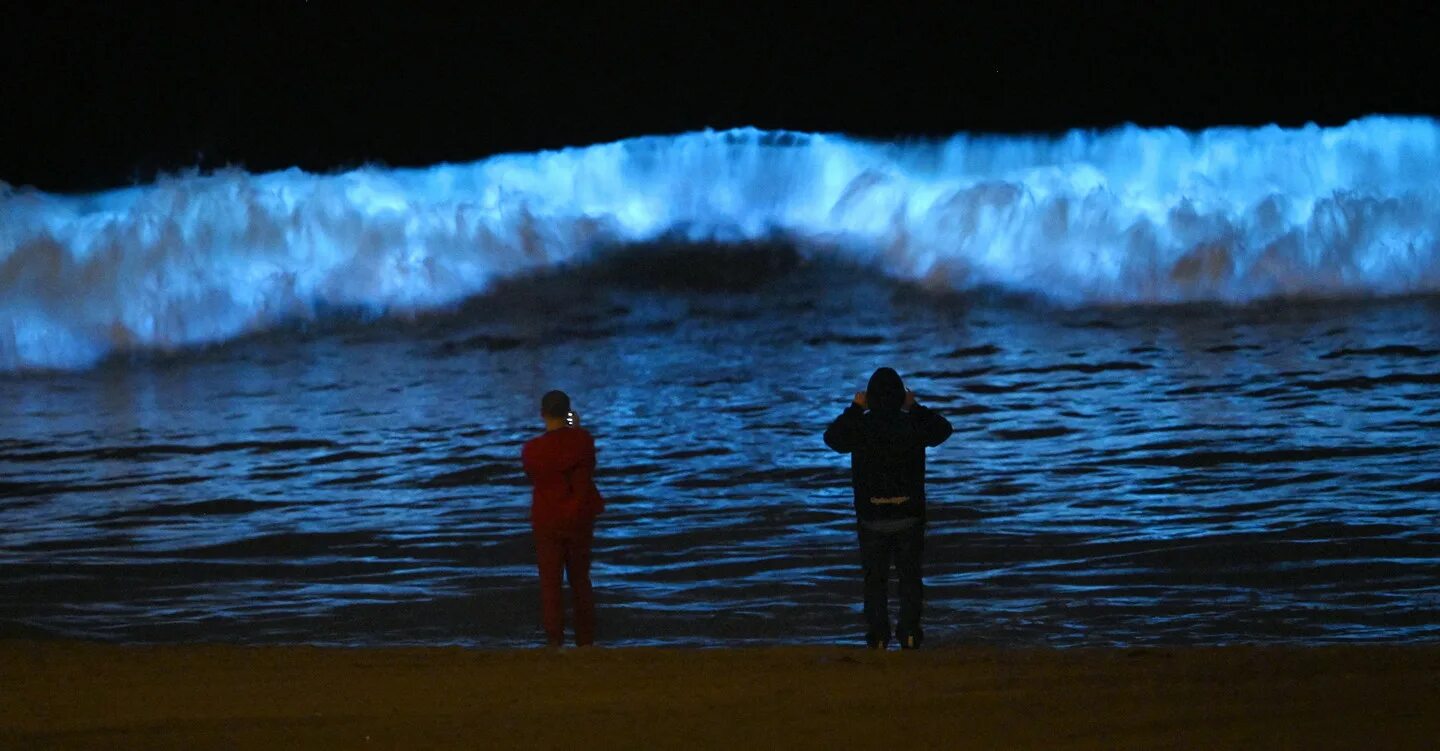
column 98, row 95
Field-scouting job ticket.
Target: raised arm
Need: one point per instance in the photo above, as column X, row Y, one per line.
column 581, row 467
column 934, row 428
column 582, row 477
column 843, row 435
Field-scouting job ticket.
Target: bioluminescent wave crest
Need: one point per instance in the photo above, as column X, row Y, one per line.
column 1128, row 216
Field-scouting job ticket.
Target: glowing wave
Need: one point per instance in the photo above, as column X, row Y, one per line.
column 1130, row 215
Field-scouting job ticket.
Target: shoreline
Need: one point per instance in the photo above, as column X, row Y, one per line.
column 86, row 695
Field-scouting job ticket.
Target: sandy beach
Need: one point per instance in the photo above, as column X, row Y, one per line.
column 80, row 695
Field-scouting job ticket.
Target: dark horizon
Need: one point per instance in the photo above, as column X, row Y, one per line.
column 104, row 96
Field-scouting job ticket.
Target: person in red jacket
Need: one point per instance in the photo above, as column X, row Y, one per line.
column 563, row 506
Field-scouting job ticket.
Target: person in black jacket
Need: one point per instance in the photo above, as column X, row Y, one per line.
column 886, row 433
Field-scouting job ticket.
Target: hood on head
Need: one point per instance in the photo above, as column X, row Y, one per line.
column 886, row 392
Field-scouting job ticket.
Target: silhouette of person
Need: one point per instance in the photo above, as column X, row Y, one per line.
column 563, row 505
column 886, row 432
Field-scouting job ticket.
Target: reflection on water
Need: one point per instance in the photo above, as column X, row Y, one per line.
column 1132, row 476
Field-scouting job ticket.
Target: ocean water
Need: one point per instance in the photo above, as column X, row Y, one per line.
column 1195, row 380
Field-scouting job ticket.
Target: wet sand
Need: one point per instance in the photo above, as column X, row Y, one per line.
column 75, row 695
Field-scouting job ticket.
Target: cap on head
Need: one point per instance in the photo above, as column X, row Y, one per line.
column 555, row 404
column 886, row 392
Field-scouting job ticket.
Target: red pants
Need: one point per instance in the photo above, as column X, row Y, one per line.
column 566, row 550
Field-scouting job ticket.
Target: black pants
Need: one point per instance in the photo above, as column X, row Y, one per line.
column 877, row 551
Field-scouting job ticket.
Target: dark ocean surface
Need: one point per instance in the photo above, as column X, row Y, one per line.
column 1142, row 475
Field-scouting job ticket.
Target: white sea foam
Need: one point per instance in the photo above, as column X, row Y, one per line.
column 1130, row 215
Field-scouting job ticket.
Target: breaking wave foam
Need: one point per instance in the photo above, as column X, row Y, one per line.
column 1131, row 215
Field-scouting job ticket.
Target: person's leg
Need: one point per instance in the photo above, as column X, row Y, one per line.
column 550, row 554
column 582, row 597
column 875, row 561
column 909, row 550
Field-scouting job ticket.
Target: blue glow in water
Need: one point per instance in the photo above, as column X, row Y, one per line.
column 1125, row 216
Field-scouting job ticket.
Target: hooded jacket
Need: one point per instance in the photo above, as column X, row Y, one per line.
column 887, row 449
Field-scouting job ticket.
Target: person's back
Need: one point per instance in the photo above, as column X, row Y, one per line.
column 563, row 505
column 886, row 433
column 561, row 467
